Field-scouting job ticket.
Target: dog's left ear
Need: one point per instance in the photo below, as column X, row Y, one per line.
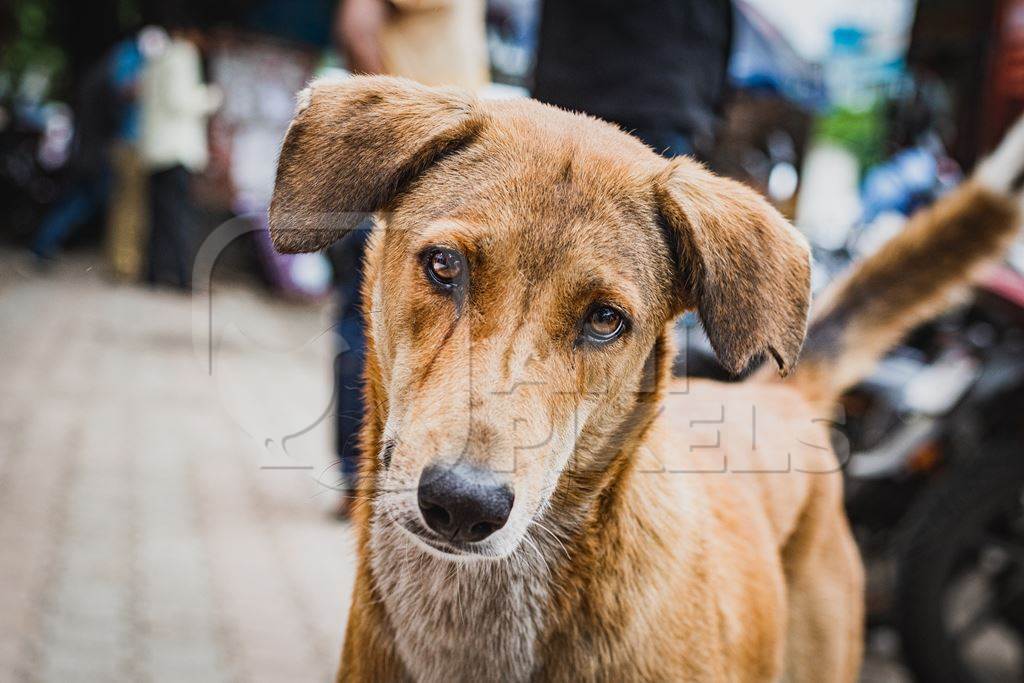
column 352, row 148
column 744, row 267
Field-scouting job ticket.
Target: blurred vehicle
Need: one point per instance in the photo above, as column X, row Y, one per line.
column 511, row 40
column 763, row 60
column 935, row 488
column 935, row 473
column 34, row 146
column 931, row 444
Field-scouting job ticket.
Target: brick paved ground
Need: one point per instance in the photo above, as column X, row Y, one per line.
column 152, row 525
column 143, row 534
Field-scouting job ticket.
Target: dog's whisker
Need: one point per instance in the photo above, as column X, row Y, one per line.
column 540, row 525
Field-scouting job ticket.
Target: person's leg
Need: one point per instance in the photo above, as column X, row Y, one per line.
column 170, row 255
column 126, row 214
column 71, row 211
column 666, row 140
column 348, row 382
column 157, row 246
column 181, row 229
column 348, row 366
column 348, row 388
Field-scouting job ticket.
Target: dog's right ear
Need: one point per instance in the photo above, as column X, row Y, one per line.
column 353, row 146
column 745, row 268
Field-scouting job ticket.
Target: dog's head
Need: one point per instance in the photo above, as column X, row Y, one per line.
column 525, row 267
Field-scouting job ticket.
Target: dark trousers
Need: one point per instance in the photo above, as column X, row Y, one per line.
column 348, row 391
column 348, row 364
column 171, row 228
column 81, row 203
column 667, row 140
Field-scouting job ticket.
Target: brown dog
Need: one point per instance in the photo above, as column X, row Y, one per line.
column 543, row 502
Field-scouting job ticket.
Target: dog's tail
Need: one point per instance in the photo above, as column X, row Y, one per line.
column 914, row 276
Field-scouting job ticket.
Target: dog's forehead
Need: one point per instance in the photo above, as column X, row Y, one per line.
column 554, row 193
column 544, row 127
column 538, row 172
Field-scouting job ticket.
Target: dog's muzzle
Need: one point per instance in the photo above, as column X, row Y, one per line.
column 463, row 503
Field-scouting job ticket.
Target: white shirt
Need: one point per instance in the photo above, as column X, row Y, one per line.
column 175, row 106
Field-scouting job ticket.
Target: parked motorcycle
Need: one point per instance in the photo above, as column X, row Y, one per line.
column 935, row 489
column 33, row 148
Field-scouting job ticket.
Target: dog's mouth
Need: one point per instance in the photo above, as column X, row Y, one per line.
column 445, row 548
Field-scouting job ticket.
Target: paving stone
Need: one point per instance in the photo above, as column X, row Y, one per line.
column 140, row 540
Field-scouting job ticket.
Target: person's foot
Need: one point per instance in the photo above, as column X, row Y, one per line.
column 41, row 263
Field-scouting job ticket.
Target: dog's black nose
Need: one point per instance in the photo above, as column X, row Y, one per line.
column 462, row 502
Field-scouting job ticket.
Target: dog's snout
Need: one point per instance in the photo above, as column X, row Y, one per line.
column 462, row 502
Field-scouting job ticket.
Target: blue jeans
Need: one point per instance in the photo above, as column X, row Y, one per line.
column 81, row 202
column 348, row 364
column 668, row 141
column 348, row 391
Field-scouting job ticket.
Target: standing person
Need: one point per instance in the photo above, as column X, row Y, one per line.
column 96, row 123
column 175, row 106
column 126, row 215
column 658, row 68
column 435, row 42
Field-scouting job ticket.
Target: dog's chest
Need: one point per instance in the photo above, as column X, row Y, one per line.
column 474, row 622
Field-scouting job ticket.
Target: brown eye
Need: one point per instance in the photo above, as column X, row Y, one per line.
column 444, row 267
column 603, row 324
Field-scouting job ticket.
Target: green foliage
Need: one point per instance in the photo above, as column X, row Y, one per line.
column 128, row 13
column 32, row 46
column 862, row 132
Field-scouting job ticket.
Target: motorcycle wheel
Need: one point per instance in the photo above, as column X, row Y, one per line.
column 960, row 585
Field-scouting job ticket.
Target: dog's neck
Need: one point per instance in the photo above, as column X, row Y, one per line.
column 462, row 621
column 469, row 620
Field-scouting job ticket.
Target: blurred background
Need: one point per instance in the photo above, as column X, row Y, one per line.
column 178, row 402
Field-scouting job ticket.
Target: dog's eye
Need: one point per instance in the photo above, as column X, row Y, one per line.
column 444, row 267
column 603, row 324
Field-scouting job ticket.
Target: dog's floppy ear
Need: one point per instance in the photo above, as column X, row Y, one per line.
column 744, row 267
column 351, row 148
